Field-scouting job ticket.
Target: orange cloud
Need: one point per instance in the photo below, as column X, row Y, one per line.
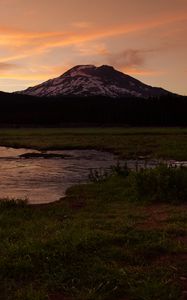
column 29, row 77
column 142, row 72
column 27, row 47
column 7, row 66
column 35, row 43
column 71, row 39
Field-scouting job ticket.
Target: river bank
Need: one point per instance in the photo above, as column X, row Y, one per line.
column 108, row 240
column 128, row 143
column 95, row 244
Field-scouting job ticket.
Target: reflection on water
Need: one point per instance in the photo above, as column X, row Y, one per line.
column 43, row 180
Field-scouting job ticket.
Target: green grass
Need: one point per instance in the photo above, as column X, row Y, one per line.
column 110, row 240
column 166, row 143
column 161, row 184
column 95, row 244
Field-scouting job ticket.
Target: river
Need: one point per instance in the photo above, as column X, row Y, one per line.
column 43, row 177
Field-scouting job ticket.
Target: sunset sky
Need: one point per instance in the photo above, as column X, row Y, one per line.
column 41, row 39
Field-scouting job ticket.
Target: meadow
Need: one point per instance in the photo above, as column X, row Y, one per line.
column 121, row 237
column 164, row 143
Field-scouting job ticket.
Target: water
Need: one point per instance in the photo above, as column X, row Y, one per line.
column 43, row 180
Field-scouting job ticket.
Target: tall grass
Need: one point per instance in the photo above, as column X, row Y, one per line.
column 13, row 203
column 100, row 251
column 160, row 184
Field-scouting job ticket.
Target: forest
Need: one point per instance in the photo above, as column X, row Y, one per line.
column 21, row 110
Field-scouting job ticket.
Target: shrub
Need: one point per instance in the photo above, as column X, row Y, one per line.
column 161, row 184
column 121, row 170
column 100, row 175
column 12, row 203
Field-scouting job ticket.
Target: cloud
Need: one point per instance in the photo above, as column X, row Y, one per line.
column 129, row 58
column 125, row 29
column 28, row 49
column 25, row 77
column 82, row 24
column 143, row 72
column 132, row 61
column 7, row 66
column 25, row 44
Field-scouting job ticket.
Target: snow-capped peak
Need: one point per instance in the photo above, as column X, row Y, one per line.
column 89, row 80
column 79, row 70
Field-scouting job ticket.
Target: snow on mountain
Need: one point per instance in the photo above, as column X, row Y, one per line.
column 88, row 80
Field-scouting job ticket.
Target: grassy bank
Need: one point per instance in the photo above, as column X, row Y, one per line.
column 167, row 143
column 101, row 242
column 121, row 238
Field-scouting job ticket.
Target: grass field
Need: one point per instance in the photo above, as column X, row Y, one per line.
column 96, row 244
column 166, row 143
column 110, row 240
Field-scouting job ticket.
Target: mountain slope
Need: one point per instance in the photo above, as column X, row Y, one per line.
column 88, row 80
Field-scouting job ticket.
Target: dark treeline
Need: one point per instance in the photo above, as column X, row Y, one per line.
column 20, row 110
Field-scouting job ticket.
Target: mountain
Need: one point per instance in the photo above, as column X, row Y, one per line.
column 88, row 80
